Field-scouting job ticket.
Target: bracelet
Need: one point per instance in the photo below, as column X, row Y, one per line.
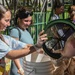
column 21, row 71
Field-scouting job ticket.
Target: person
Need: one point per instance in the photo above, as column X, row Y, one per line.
column 58, row 9
column 23, row 19
column 63, row 30
column 71, row 12
column 10, row 47
column 65, row 64
column 68, row 50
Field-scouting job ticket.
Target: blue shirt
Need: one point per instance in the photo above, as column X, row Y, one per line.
column 11, row 44
column 26, row 38
column 25, row 35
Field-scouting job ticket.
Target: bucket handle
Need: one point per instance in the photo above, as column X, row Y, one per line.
column 33, row 70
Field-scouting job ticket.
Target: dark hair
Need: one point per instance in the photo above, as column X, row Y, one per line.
column 3, row 10
column 57, row 4
column 22, row 13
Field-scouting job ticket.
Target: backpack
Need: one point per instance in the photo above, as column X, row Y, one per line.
column 8, row 30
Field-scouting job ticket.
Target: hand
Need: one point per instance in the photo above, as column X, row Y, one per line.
column 41, row 39
column 28, row 46
column 21, row 71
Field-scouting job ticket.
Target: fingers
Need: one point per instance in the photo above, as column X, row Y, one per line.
column 28, row 46
column 43, row 37
column 42, row 32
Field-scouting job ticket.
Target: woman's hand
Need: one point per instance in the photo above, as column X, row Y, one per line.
column 41, row 39
column 21, row 71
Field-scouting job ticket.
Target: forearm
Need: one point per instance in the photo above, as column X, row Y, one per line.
column 14, row 54
column 17, row 63
column 19, row 66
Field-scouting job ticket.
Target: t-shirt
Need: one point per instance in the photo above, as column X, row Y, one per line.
column 54, row 17
column 26, row 38
column 12, row 44
column 25, row 35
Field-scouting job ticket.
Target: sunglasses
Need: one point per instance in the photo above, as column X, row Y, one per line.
column 25, row 14
column 28, row 13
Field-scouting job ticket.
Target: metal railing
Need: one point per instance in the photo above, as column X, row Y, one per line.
column 40, row 24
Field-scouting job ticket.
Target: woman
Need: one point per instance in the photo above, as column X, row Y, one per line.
column 10, row 47
column 23, row 19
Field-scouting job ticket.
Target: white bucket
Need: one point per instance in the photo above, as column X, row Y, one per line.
column 37, row 68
